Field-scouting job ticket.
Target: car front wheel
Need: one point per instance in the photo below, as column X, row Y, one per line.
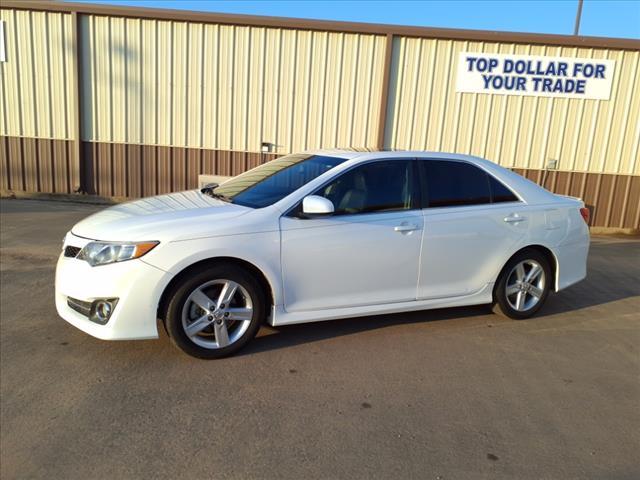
column 523, row 285
column 215, row 311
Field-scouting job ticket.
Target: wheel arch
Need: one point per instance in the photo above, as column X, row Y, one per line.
column 260, row 276
column 546, row 252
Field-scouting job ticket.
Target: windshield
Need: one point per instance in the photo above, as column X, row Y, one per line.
column 271, row 182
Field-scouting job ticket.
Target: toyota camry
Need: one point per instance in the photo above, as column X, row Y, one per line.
column 317, row 236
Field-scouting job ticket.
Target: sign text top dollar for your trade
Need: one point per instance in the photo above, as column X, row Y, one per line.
column 535, row 75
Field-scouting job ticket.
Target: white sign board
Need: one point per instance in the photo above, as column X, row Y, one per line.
column 538, row 76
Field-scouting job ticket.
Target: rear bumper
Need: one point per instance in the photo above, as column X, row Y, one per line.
column 137, row 285
column 571, row 260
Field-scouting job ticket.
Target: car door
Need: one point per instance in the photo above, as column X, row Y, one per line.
column 471, row 221
column 367, row 252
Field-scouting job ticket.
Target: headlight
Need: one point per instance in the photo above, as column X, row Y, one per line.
column 102, row 253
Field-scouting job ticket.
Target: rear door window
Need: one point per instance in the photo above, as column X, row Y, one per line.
column 454, row 184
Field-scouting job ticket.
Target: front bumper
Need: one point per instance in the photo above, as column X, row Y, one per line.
column 137, row 285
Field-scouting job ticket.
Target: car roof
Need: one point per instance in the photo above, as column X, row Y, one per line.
column 368, row 153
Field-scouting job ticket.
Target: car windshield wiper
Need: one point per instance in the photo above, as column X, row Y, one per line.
column 209, row 190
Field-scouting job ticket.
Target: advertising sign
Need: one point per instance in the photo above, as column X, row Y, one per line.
column 540, row 76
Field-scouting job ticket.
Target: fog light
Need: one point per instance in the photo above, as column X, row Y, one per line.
column 102, row 309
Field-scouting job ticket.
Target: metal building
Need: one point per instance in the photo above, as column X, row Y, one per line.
column 129, row 102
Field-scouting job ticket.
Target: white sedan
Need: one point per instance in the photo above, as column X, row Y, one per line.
column 318, row 236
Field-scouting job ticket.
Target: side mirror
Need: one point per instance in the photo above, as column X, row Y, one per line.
column 314, row 206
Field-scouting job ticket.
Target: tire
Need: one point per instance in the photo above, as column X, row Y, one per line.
column 202, row 325
column 523, row 285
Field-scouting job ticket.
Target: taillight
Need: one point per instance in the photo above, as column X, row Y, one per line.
column 586, row 214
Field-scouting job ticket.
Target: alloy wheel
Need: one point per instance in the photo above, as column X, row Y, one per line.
column 217, row 313
column 525, row 285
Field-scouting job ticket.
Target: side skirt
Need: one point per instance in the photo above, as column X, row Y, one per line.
column 280, row 316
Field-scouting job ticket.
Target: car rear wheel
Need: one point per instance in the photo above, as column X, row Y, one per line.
column 215, row 311
column 523, row 285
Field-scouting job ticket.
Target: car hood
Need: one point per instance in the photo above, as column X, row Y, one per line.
column 164, row 217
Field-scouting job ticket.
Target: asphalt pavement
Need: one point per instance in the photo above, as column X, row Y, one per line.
column 443, row 394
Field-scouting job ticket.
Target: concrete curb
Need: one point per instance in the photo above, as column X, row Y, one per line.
column 63, row 197
column 614, row 231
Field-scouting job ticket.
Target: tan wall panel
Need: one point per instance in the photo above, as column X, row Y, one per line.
column 229, row 87
column 35, row 97
column 426, row 113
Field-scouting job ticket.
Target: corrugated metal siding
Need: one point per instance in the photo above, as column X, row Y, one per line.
column 130, row 170
column 426, row 113
column 38, row 165
column 228, row 87
column 36, row 98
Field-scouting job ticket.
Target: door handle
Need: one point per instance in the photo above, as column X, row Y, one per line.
column 514, row 218
column 405, row 228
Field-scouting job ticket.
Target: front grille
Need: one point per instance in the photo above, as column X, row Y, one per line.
column 79, row 306
column 72, row 252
